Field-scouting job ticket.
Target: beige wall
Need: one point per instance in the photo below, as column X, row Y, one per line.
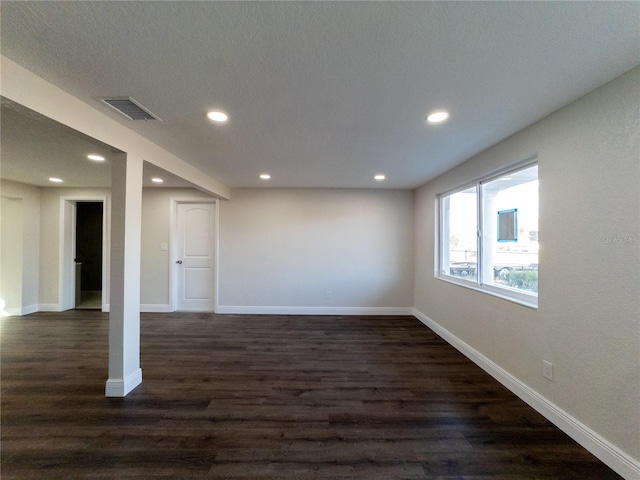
column 278, row 248
column 155, row 230
column 50, row 238
column 288, row 247
column 39, row 211
column 588, row 321
column 20, row 224
column 11, row 261
column 154, row 273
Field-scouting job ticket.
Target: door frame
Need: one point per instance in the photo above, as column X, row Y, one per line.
column 67, row 277
column 173, row 229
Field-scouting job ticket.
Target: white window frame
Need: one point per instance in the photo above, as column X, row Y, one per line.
column 528, row 299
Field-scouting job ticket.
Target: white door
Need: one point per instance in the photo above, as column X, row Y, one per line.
column 194, row 256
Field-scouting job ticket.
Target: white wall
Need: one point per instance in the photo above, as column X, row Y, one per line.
column 282, row 250
column 20, row 225
column 588, row 321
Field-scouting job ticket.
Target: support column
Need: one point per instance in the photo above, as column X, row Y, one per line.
column 124, row 317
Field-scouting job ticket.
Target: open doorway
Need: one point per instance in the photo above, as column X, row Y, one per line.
column 75, row 246
column 88, row 255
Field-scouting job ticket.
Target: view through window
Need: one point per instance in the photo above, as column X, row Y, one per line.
column 489, row 234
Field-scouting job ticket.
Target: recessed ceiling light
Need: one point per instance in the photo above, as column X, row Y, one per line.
column 95, row 158
column 55, row 180
column 265, row 176
column 438, row 117
column 379, row 177
column 157, row 180
column 217, row 116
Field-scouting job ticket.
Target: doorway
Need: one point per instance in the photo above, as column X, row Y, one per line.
column 84, row 265
column 88, row 258
column 194, row 255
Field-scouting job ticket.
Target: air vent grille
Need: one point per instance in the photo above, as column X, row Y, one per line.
column 130, row 108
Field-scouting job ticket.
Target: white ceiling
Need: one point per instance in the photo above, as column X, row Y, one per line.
column 326, row 94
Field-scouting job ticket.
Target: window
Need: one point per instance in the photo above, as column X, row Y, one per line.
column 489, row 235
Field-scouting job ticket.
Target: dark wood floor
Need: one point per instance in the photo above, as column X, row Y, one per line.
column 266, row 397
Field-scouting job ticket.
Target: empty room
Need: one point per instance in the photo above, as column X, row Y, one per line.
column 391, row 240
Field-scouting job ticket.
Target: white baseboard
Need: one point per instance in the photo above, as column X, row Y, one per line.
column 154, row 308
column 119, row 387
column 49, row 307
column 616, row 459
column 13, row 311
column 26, row 310
column 268, row 310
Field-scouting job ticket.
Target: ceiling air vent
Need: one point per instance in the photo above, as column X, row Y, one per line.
column 128, row 107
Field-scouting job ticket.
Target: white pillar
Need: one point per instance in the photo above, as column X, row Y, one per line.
column 124, row 318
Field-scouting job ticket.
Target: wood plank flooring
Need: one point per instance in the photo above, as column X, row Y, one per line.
column 283, row 397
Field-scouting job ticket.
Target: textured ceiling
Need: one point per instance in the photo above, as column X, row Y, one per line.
column 326, row 94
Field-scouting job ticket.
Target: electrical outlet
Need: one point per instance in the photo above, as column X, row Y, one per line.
column 329, row 295
column 547, row 370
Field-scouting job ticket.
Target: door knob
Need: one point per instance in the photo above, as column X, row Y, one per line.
column 179, row 262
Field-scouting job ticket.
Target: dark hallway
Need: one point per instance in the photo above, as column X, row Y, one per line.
column 89, row 255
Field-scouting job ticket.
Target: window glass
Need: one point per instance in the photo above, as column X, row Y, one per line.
column 510, row 205
column 462, row 245
column 500, row 257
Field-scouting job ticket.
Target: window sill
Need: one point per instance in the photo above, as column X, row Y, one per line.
column 521, row 298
